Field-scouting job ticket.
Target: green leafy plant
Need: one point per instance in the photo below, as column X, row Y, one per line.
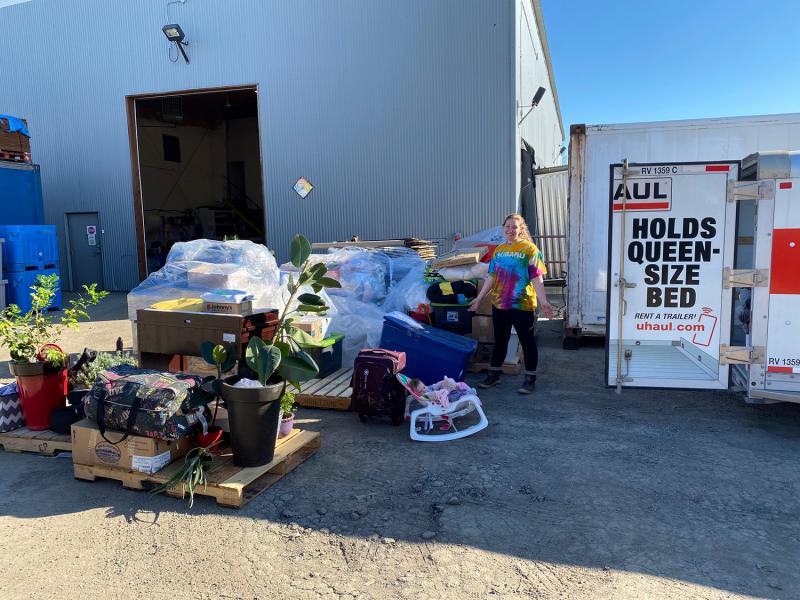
column 285, row 353
column 24, row 333
column 288, row 407
column 192, row 473
column 86, row 376
column 55, row 357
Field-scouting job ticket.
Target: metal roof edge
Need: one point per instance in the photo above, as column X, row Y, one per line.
column 537, row 15
column 677, row 123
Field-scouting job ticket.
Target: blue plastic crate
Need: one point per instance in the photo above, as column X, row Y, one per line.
column 18, row 289
column 431, row 354
column 21, row 190
column 29, row 247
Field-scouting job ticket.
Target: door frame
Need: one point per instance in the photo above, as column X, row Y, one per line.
column 136, row 176
column 67, row 237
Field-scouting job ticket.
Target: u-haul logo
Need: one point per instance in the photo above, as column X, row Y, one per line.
column 643, row 194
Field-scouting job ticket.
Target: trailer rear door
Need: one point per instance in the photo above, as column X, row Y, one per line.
column 775, row 317
column 669, row 312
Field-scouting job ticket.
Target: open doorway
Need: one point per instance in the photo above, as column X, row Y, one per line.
column 198, row 157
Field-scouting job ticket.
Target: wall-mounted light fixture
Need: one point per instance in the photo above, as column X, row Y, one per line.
column 537, row 97
column 175, row 34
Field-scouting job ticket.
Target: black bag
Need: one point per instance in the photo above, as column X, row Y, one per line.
column 376, row 391
column 147, row 402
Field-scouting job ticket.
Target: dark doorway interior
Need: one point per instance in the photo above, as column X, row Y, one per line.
column 200, row 169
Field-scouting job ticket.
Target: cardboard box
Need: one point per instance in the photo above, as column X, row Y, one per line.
column 483, row 356
column 316, row 327
column 196, row 365
column 136, row 453
column 218, row 277
column 485, row 307
column 229, row 308
column 482, row 329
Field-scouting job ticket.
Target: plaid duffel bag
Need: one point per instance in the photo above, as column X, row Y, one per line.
column 147, row 402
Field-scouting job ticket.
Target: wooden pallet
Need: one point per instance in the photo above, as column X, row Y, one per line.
column 509, row 368
column 46, row 443
column 24, row 157
column 230, row 485
column 333, row 391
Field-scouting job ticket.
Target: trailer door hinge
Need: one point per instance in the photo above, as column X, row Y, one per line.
column 740, row 355
column 744, row 278
column 751, row 190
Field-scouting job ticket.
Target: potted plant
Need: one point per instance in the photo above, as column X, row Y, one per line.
column 83, row 376
column 254, row 405
column 39, row 365
column 288, row 411
column 223, row 358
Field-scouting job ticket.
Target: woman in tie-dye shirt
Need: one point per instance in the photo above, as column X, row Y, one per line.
column 517, row 289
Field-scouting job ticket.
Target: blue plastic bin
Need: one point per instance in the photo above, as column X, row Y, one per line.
column 431, row 354
column 18, row 289
column 29, row 247
column 21, row 193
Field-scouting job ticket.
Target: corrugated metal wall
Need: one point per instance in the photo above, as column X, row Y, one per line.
column 400, row 113
column 552, row 219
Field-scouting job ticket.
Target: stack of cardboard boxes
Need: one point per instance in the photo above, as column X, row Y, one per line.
column 483, row 333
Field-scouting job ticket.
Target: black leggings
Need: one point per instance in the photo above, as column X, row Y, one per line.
column 523, row 321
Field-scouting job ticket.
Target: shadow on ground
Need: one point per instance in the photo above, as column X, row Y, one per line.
column 691, row 486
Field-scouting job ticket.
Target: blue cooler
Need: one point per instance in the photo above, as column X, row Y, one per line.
column 431, row 354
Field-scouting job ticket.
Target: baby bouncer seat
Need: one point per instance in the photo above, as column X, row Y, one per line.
column 442, row 403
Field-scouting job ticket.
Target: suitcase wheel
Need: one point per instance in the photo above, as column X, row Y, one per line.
column 362, row 417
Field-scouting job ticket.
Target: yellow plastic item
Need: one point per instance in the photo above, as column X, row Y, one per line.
column 182, row 304
column 446, row 287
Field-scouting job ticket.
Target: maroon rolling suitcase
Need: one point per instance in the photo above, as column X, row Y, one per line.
column 376, row 391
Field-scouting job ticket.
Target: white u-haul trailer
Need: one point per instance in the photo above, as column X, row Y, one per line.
column 704, row 275
column 593, row 148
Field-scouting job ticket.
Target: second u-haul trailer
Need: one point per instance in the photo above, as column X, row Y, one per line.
column 704, row 275
column 594, row 147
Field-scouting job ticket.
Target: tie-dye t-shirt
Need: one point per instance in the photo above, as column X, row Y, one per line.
column 514, row 267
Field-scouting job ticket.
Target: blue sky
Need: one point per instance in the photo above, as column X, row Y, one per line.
column 619, row 61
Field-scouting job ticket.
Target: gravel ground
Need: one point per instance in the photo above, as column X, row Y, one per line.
column 574, row 492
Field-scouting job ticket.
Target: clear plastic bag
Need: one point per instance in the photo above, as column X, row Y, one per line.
column 409, row 293
column 200, row 266
column 361, row 324
column 491, row 236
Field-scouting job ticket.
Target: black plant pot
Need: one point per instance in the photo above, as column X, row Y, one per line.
column 62, row 419
column 75, row 400
column 253, row 416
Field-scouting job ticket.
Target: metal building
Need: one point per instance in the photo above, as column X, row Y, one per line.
column 409, row 119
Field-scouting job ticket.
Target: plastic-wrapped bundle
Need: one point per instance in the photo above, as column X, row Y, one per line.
column 477, row 271
column 409, row 293
column 199, row 266
column 361, row 324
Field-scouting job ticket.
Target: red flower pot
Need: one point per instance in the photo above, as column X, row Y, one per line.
column 42, row 389
column 212, row 437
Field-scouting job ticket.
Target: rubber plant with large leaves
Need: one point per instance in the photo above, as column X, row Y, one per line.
column 284, row 354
